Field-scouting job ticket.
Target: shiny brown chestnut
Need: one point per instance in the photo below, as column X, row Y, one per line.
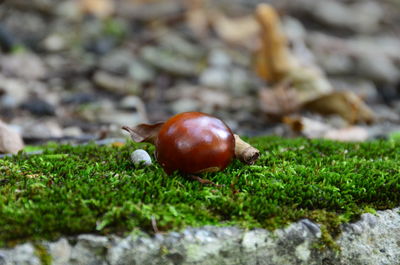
column 194, row 142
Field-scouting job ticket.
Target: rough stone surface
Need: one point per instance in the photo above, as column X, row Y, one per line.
column 374, row 239
column 10, row 140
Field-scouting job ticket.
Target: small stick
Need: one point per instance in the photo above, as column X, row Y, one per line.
column 204, row 181
column 245, row 152
column 154, row 224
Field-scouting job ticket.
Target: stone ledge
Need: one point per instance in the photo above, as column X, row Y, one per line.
column 374, row 239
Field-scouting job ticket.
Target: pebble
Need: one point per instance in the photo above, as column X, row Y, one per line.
column 54, row 43
column 167, row 61
column 239, row 82
column 140, row 156
column 39, row 107
column 378, row 68
column 23, row 65
column 79, row 98
column 363, row 16
column 10, row 140
column 176, row 43
column 115, row 83
column 141, row 72
column 117, row 61
column 215, row 77
column 185, row 104
column 219, row 58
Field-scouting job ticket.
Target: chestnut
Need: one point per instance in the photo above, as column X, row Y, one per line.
column 194, row 142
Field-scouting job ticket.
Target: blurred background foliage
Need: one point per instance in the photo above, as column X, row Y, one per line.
column 77, row 70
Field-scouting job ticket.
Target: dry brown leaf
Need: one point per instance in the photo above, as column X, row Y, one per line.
column 276, row 63
column 99, row 8
column 294, row 123
column 309, row 83
column 10, row 141
column 144, row 132
column 279, row 101
column 239, row 31
column 343, row 103
column 273, row 60
column 197, row 16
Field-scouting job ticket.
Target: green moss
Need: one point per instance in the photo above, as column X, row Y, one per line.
column 96, row 189
column 42, row 254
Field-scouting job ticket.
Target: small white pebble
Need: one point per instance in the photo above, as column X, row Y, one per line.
column 139, row 156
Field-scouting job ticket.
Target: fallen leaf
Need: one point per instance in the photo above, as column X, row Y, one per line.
column 144, row 132
column 240, row 30
column 273, row 60
column 10, row 141
column 197, row 17
column 309, row 83
column 343, row 103
column 99, row 8
column 276, row 63
column 279, row 101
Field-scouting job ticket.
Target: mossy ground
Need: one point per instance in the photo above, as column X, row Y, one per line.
column 97, row 189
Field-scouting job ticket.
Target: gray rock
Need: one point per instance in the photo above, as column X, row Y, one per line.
column 372, row 240
column 60, row 252
column 331, row 53
column 114, row 83
column 2, row 259
column 119, row 118
column 219, row 58
column 54, row 43
column 23, row 65
column 39, row 107
column 45, row 128
column 10, row 140
column 378, row 68
column 134, row 103
column 117, row 61
column 140, row 156
column 214, row 99
column 69, row 9
column 141, row 72
column 215, row 77
column 362, row 16
column 369, row 58
column 239, row 82
column 26, row 27
column 167, row 61
column 174, row 42
column 8, row 102
column 89, row 250
column 185, row 104
column 20, row 255
column 150, row 11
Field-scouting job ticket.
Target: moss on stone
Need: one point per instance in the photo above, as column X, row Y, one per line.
column 97, row 189
column 42, row 254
